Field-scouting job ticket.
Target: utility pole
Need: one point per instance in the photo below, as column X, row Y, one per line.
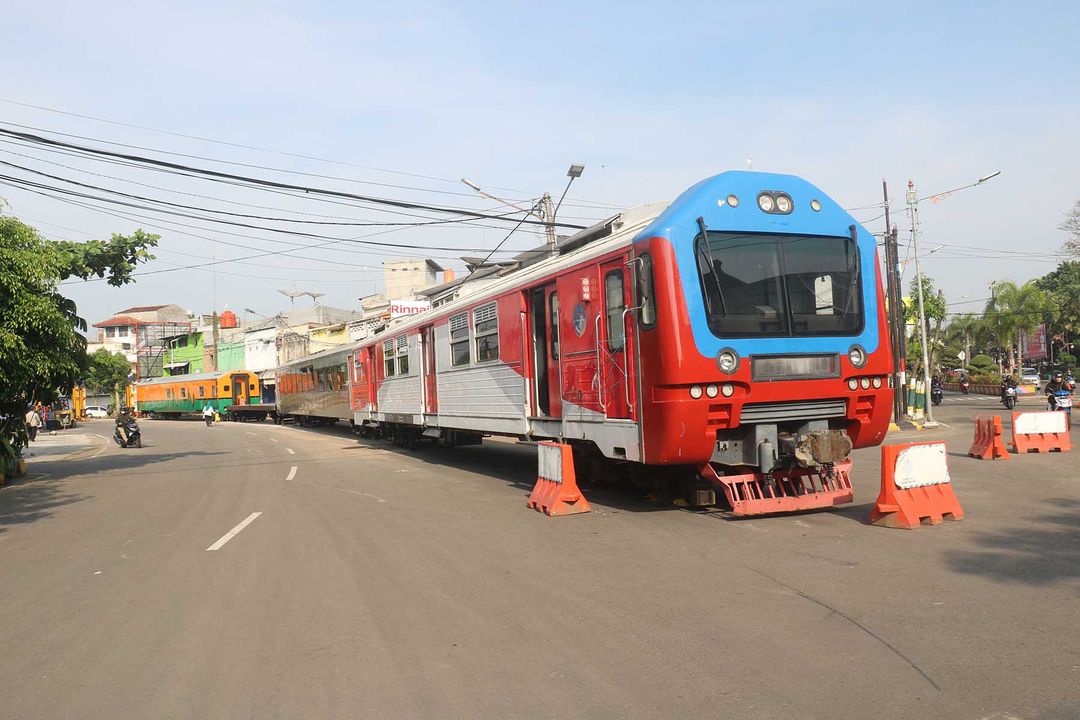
column 549, row 223
column 913, row 206
column 895, row 297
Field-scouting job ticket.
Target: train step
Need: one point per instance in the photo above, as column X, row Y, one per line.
column 789, row 490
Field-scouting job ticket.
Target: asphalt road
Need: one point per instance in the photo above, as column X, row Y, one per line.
column 382, row 583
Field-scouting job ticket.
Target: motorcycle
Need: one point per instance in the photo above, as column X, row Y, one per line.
column 936, row 393
column 1008, row 398
column 134, row 435
column 965, row 385
column 1061, row 400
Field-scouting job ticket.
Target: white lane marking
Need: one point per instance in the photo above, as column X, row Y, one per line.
column 273, row 440
column 248, row 432
column 292, row 473
column 376, row 498
column 291, row 451
column 234, row 532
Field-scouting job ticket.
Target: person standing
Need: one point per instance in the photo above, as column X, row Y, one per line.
column 208, row 414
column 33, row 423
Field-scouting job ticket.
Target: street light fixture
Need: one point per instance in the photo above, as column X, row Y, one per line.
column 913, row 207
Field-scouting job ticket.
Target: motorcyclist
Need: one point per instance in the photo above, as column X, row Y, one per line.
column 1008, row 381
column 1056, row 385
column 122, row 419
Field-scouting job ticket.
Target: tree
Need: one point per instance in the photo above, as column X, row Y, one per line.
column 42, row 353
column 936, row 311
column 1071, row 226
column 1015, row 309
column 1063, row 287
column 107, row 373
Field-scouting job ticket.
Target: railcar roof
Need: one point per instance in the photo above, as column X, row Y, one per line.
column 191, row 377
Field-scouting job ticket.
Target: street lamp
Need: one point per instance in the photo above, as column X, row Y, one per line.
column 913, row 206
column 573, row 173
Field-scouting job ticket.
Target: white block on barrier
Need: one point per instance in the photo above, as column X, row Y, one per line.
column 1034, row 423
column 922, row 465
column 549, row 458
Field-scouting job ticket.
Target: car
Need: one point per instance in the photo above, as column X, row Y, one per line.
column 96, row 411
column 1029, row 376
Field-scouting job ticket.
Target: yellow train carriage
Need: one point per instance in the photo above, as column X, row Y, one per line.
column 171, row 397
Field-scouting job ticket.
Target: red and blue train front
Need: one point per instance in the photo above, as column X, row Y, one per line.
column 768, row 359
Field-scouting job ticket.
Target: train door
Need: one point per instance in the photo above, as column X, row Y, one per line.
column 616, row 346
column 427, row 340
column 239, row 390
column 544, row 311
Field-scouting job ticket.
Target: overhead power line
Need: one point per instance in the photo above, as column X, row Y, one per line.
column 260, row 182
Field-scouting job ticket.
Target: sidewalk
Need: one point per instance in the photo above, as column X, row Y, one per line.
column 64, row 443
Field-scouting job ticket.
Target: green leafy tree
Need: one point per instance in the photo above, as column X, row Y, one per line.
column 107, row 373
column 936, row 311
column 1063, row 287
column 42, row 353
column 1014, row 309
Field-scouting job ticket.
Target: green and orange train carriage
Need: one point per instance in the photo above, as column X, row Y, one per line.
column 172, row 397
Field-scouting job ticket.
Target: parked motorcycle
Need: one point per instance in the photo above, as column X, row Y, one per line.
column 965, row 385
column 1008, row 399
column 134, row 436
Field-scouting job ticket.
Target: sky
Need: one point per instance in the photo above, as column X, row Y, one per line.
column 401, row 101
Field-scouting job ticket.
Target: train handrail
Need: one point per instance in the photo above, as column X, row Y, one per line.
column 626, row 361
column 599, row 368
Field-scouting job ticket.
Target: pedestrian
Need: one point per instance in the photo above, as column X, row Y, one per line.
column 33, row 423
column 208, row 414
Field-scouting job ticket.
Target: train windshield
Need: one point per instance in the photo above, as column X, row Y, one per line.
column 779, row 285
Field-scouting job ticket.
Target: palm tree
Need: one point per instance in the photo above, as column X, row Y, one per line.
column 1015, row 309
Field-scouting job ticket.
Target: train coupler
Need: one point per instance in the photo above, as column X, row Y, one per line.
column 791, row 490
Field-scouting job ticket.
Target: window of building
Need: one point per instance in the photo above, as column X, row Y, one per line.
column 646, row 297
column 614, row 304
column 403, row 355
column 486, row 322
column 388, row 357
column 459, row 339
column 110, row 332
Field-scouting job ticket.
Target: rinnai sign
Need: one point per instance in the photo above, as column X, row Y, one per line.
column 404, row 308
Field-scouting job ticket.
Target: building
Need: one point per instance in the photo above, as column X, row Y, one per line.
column 402, row 279
column 139, row 334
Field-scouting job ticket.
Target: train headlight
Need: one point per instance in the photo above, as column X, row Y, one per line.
column 853, row 384
column 865, row 383
column 877, row 383
column 783, row 204
column 727, row 360
column 728, row 389
column 857, row 356
column 815, row 205
column 695, row 391
column 766, row 202
column 733, row 200
column 711, row 390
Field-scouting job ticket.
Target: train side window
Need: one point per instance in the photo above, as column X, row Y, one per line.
column 388, row 357
column 403, row 355
column 646, row 298
column 168, row 393
column 459, row 339
column 486, row 321
column 554, row 325
column 614, row 304
column 202, row 391
column 183, row 392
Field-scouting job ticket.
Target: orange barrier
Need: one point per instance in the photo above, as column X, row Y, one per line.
column 915, row 486
column 556, row 491
column 1044, row 431
column 989, row 443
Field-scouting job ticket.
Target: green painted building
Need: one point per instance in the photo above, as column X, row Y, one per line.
column 193, row 352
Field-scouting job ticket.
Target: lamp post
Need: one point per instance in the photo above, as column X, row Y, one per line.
column 548, row 212
column 913, row 206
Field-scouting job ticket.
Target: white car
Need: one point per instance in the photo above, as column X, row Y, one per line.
column 96, row 411
column 1029, row 376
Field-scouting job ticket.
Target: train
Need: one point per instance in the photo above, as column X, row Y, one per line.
column 177, row 395
column 732, row 340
